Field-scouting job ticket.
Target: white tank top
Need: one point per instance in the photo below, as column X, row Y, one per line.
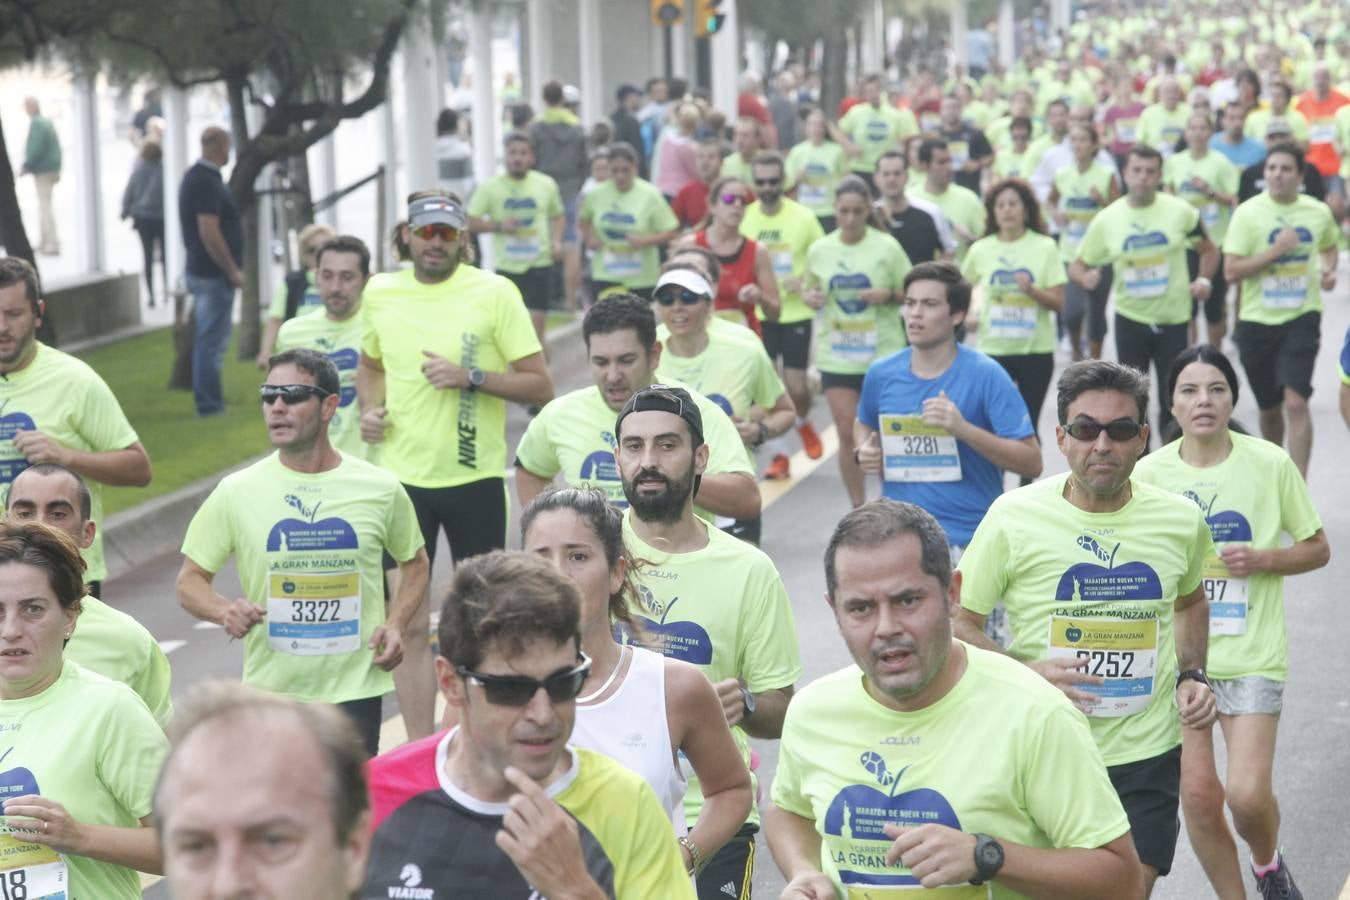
column 630, row 727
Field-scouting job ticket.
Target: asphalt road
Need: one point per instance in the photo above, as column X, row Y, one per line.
column 1312, row 766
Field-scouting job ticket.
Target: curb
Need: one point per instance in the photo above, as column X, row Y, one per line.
column 137, row 535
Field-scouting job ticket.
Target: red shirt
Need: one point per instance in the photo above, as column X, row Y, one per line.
column 1321, row 115
column 691, row 204
column 737, row 271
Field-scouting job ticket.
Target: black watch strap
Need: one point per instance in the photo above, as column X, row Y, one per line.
column 1192, row 675
column 988, row 858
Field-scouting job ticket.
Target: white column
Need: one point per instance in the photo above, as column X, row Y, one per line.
column 1007, row 34
column 178, row 155
column 89, row 253
column 590, row 29
column 421, row 103
column 681, row 65
column 394, row 207
column 484, row 109
column 960, row 52
column 726, row 62
column 323, row 177
column 538, row 22
column 267, row 274
column 874, row 37
column 1060, row 13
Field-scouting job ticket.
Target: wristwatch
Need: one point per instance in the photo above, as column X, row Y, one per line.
column 748, row 699
column 476, row 378
column 763, row 435
column 1192, row 675
column 988, row 858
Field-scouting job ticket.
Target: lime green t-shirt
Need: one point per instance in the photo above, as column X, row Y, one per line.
column 1259, row 121
column 310, row 300
column 439, row 438
column 786, row 236
column 308, row 548
column 574, row 435
column 724, row 609
column 1180, row 173
column 854, row 333
column 1292, row 286
column 999, row 132
column 737, row 166
column 1161, row 129
column 1008, row 163
column 341, row 342
column 1011, row 322
column 1002, row 753
column 1253, row 498
column 815, row 170
column 734, row 372
column 1147, row 247
column 876, row 129
column 1343, row 139
column 530, row 204
column 65, row 399
column 962, row 206
column 116, row 646
column 614, row 215
column 1076, row 201
column 90, row 744
column 1096, row 586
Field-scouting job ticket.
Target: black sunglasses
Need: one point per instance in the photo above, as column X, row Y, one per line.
column 290, row 394
column 518, row 690
column 1118, row 430
column 767, row 182
column 683, row 295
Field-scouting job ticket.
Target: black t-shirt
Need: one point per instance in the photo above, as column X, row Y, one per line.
column 1254, row 182
column 966, row 143
column 916, row 232
column 203, row 192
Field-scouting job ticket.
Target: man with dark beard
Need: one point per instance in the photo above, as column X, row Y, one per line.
column 704, row 596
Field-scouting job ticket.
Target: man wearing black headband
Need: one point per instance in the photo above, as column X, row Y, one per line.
column 703, row 596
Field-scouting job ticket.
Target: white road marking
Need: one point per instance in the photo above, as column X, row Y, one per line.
column 204, row 626
column 170, row 646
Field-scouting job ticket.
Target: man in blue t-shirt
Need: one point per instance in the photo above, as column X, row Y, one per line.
column 214, row 240
column 1231, row 140
column 941, row 421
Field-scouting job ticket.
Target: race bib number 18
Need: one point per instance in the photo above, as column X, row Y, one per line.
column 1124, row 652
column 31, row 871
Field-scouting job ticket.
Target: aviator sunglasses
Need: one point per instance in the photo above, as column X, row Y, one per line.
column 518, row 690
column 667, row 297
column 1117, row 430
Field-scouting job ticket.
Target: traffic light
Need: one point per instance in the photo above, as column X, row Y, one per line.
column 667, row 12
column 707, row 20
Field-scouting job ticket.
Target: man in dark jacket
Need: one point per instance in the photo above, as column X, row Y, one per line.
column 560, row 153
column 627, row 128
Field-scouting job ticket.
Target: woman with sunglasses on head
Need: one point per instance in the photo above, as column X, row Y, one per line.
column 80, row 752
column 1017, row 271
column 1252, row 496
column 855, row 277
column 748, row 282
column 723, row 361
column 653, row 714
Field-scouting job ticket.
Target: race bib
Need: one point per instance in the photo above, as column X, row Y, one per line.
column 1322, row 131
column 947, row 892
column 1122, row 651
column 1209, row 215
column 810, row 195
column 782, row 263
column 1227, row 596
column 621, row 263
column 854, row 341
column 960, row 151
column 913, row 450
column 314, row 614
column 521, row 247
column 31, row 871
column 1285, row 285
column 1146, row 277
column 1127, row 131
column 1013, row 323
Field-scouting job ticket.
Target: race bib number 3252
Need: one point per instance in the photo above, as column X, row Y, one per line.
column 1123, row 652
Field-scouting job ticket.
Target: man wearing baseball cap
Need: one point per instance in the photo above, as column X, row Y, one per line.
column 445, row 346
column 1254, row 176
column 703, row 596
column 725, row 362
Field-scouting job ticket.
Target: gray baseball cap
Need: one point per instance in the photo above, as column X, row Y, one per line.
column 437, row 211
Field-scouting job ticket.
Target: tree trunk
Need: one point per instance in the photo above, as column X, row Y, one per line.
column 13, row 235
column 243, row 180
column 180, row 379
column 834, row 62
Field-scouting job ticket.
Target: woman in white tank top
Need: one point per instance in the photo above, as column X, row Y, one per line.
column 637, row 707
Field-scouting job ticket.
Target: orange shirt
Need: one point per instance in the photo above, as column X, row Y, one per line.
column 1321, row 116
